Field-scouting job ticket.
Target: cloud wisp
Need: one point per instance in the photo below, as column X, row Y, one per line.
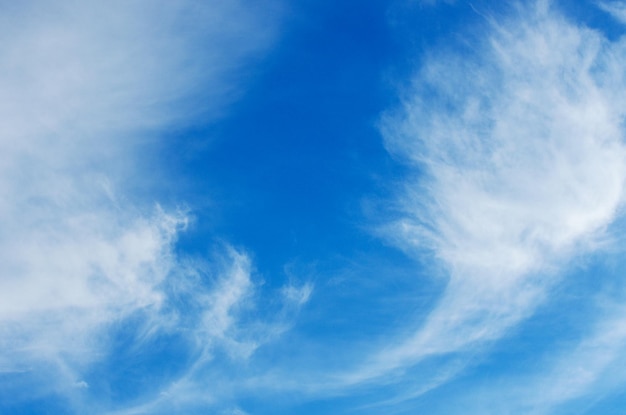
column 617, row 9
column 517, row 146
column 576, row 377
column 87, row 88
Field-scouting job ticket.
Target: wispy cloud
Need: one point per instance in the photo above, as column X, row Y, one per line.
column 574, row 376
column 86, row 87
column 617, row 9
column 517, row 146
column 592, row 369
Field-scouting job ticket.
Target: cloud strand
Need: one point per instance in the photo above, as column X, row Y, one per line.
column 518, row 148
column 88, row 87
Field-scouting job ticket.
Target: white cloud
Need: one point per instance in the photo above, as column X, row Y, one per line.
column 593, row 368
column 87, row 87
column 518, row 145
column 298, row 295
column 617, row 9
column 573, row 375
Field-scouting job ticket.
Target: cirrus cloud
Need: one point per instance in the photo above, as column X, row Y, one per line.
column 516, row 143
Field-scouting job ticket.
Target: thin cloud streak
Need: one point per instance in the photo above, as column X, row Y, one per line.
column 578, row 376
column 521, row 147
column 617, row 9
column 592, row 369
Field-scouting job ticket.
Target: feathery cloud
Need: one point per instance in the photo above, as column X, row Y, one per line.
column 88, row 86
column 517, row 145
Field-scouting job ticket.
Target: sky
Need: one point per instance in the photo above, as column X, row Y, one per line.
column 312, row 207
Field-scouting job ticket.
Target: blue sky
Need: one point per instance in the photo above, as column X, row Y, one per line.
column 312, row 207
